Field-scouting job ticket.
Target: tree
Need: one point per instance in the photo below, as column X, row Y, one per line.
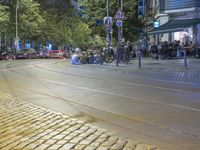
column 4, row 17
column 30, row 20
column 63, row 25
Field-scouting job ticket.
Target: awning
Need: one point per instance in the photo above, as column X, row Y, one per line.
column 174, row 26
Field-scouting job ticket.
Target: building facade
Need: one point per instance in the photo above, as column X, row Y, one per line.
column 176, row 20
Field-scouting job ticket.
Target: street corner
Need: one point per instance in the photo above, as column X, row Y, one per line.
column 25, row 126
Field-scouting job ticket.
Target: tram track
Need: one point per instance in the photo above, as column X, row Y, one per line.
column 111, row 93
column 75, row 103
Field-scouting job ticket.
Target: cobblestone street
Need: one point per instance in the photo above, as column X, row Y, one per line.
column 172, row 70
column 26, row 126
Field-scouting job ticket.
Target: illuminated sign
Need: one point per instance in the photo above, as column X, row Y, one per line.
column 156, row 24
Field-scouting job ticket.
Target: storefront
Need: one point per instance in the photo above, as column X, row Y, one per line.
column 181, row 30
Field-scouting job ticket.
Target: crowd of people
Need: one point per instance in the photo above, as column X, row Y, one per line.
column 174, row 49
column 161, row 50
column 85, row 57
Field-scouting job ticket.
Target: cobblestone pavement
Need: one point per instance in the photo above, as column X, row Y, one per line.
column 172, row 70
column 25, row 126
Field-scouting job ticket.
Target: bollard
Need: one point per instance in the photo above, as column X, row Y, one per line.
column 117, row 57
column 185, row 58
column 139, row 59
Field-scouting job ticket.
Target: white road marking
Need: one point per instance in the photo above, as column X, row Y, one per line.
column 125, row 96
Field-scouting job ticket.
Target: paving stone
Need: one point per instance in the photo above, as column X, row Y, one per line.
column 62, row 142
column 68, row 137
column 101, row 140
column 103, row 148
column 27, row 126
column 84, row 128
column 50, row 142
column 130, row 145
column 86, row 142
column 76, row 140
column 90, row 148
column 117, row 146
column 95, row 144
column 85, row 134
column 54, row 147
column 46, row 137
column 59, row 137
column 21, row 145
column 108, row 143
column 104, row 136
column 145, row 147
column 68, row 146
column 98, row 133
column 31, row 146
column 42, row 147
column 74, row 134
column 11, row 145
column 80, row 147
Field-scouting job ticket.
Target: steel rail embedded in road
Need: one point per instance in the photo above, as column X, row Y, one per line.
column 112, row 113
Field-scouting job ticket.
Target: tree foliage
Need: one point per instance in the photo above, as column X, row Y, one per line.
column 97, row 9
column 30, row 20
column 59, row 23
column 4, row 17
column 64, row 25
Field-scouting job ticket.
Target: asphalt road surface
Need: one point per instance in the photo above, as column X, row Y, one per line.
column 158, row 112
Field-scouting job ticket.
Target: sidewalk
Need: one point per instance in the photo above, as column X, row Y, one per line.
column 25, row 126
column 170, row 69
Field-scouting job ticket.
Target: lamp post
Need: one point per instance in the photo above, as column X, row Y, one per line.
column 107, row 7
column 16, row 25
column 109, row 28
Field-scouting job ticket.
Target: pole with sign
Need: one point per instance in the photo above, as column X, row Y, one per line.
column 119, row 16
column 108, row 28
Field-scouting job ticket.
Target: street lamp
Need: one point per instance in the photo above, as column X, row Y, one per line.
column 16, row 25
column 107, row 8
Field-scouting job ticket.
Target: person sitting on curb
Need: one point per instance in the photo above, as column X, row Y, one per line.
column 91, row 58
column 83, row 58
column 75, row 60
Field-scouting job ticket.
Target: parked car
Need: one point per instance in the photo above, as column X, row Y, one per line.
column 26, row 53
column 21, row 55
column 3, row 56
column 57, row 53
column 7, row 54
